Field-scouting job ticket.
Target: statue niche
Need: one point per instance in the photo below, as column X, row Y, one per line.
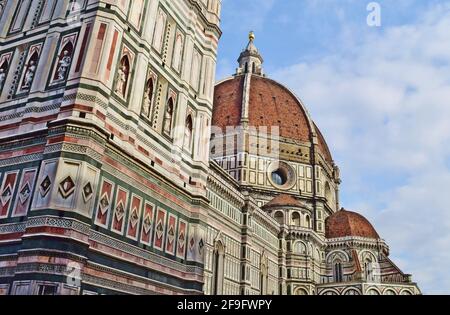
column 148, row 97
column 64, row 62
column 188, row 133
column 30, row 71
column 168, row 117
column 3, row 71
column 122, row 76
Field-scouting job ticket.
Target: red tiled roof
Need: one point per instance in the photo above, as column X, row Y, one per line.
column 284, row 200
column 270, row 104
column 228, row 103
column 323, row 146
column 346, row 223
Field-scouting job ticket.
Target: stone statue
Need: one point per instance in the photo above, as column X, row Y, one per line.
column 122, row 80
column 64, row 65
column 147, row 102
column 29, row 75
column 2, row 77
column 188, row 136
column 168, row 120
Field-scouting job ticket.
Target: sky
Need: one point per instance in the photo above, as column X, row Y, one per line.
column 381, row 97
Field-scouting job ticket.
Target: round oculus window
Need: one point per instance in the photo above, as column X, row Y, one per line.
column 281, row 175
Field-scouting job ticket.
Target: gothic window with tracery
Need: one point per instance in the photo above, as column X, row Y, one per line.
column 338, row 272
column 279, row 217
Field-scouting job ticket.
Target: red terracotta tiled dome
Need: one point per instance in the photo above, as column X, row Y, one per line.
column 284, row 200
column 270, row 104
column 346, row 223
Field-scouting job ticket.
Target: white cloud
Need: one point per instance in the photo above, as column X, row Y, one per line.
column 383, row 103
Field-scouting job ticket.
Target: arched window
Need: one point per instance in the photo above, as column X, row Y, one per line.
column 317, row 255
column 368, row 270
column 148, row 98
column 389, row 292
column 301, row 292
column 308, row 221
column 218, row 270
column 406, row 292
column 338, row 272
column 372, row 292
column 351, row 292
column 279, row 217
column 254, row 67
column 246, row 67
column 168, row 117
column 301, row 248
column 296, row 221
column 122, row 76
column 188, row 133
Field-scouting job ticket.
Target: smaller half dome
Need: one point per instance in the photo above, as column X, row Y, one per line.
column 284, row 200
column 346, row 223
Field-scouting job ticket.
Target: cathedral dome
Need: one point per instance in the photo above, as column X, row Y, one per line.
column 270, row 104
column 346, row 223
column 250, row 98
